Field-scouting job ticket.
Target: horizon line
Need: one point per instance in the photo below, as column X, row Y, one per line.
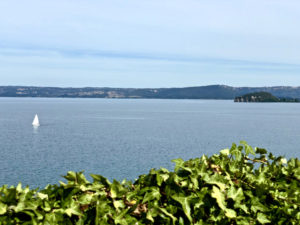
column 209, row 85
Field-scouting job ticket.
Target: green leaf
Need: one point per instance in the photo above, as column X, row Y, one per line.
column 248, row 148
column 73, row 209
column 149, row 215
column 47, row 207
column 230, row 213
column 256, row 205
column 215, row 179
column 168, row 214
column 119, row 204
column 20, row 207
column 225, row 151
column 75, row 178
column 241, row 206
column 283, row 160
column 261, row 151
column 235, row 194
column 71, row 176
column 262, row 218
column 161, row 177
column 219, row 196
column 178, row 163
column 3, row 208
column 153, row 194
column 236, row 151
column 100, row 179
column 116, row 189
column 86, row 198
column 42, row 196
column 184, row 201
column 19, row 188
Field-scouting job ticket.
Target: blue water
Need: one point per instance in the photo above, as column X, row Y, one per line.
column 123, row 138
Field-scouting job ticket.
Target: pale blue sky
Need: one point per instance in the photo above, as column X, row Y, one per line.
column 149, row 43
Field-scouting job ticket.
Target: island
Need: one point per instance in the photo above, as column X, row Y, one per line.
column 263, row 97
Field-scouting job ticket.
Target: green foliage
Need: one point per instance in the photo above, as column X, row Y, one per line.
column 257, row 97
column 240, row 185
column 263, row 97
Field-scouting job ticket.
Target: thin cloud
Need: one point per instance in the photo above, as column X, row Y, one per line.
column 79, row 53
column 194, row 40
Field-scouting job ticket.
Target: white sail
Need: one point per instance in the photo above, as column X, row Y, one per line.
column 36, row 121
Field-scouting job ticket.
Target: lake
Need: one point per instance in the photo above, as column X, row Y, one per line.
column 123, row 138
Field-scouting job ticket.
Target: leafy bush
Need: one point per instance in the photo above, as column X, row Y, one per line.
column 227, row 188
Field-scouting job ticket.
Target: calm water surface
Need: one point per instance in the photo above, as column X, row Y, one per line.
column 123, row 138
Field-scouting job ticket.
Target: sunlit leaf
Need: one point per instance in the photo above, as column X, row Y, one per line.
column 3, row 208
column 262, row 218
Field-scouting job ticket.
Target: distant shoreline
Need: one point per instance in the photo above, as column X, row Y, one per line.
column 217, row 92
column 213, row 99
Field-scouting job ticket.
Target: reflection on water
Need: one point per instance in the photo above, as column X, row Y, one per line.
column 35, row 129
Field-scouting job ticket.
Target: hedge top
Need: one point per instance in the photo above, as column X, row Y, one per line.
column 231, row 187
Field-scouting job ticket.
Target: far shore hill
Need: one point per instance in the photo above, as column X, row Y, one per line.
column 200, row 92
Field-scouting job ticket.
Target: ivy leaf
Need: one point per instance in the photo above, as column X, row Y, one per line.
column 42, row 196
column 174, row 219
column 73, row 209
column 283, row 160
column 219, row 196
column 257, row 206
column 184, row 201
column 178, row 163
column 225, row 151
column 150, row 215
column 101, row 179
column 215, row 179
column 119, row 204
column 235, row 151
column 3, row 208
column 19, row 188
column 230, row 213
column 116, row 189
column 85, row 198
column 261, row 151
column 235, row 194
column 152, row 195
column 262, row 218
column 248, row 148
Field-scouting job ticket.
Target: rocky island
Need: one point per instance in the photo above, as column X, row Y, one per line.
column 263, row 97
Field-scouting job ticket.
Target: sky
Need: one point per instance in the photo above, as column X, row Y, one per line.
column 149, row 43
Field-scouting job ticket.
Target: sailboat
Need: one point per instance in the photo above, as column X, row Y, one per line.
column 36, row 121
